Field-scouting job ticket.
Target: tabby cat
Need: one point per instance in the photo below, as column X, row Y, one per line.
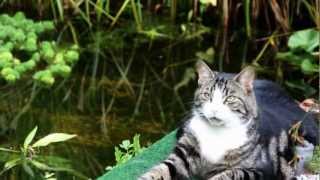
column 220, row 141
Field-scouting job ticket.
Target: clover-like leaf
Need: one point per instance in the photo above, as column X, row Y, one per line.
column 125, row 144
column 306, row 40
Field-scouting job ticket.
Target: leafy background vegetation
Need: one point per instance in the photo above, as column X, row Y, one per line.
column 106, row 70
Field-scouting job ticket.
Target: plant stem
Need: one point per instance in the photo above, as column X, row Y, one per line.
column 247, row 17
column 173, row 10
column 124, row 5
column 136, row 16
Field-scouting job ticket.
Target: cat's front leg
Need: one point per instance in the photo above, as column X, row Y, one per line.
column 238, row 174
column 176, row 167
column 172, row 168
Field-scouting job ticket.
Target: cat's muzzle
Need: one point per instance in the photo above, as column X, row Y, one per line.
column 215, row 121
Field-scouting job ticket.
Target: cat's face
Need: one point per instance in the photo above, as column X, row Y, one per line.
column 225, row 102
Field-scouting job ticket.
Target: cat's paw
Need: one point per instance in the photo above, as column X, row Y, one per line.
column 150, row 176
column 159, row 172
column 147, row 176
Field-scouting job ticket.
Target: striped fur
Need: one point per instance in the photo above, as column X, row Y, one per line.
column 220, row 140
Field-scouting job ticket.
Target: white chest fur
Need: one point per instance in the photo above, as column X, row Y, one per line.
column 214, row 142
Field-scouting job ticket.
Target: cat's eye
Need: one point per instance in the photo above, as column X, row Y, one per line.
column 241, row 110
column 231, row 99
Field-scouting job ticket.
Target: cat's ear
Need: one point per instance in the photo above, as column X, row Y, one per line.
column 205, row 74
column 245, row 78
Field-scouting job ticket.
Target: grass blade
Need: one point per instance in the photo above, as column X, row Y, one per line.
column 124, row 5
column 60, row 9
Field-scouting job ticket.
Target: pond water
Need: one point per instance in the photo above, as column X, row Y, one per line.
column 124, row 84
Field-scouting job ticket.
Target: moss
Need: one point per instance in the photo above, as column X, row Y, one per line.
column 314, row 164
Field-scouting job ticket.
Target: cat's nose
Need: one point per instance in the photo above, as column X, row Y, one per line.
column 211, row 114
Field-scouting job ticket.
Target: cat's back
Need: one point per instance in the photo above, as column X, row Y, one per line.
column 278, row 112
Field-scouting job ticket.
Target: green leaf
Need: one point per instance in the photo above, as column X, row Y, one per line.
column 44, row 76
column 30, row 137
column 109, row 168
column 289, row 57
column 27, row 169
column 118, row 154
column 295, row 59
column 126, row 157
column 307, row 67
column 52, row 138
column 206, row 2
column 8, row 150
column 49, row 176
column 10, row 164
column 71, row 56
column 40, row 165
column 45, row 167
column 301, row 87
column 6, row 156
column 136, row 143
column 54, row 161
column 6, row 55
column 306, row 40
column 207, row 56
column 125, row 144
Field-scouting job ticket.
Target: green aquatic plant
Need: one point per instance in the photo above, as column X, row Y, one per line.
column 303, row 56
column 23, row 51
column 303, row 50
column 127, row 150
column 32, row 162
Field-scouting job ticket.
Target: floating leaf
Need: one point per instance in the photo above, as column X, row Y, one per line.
column 52, row 138
column 30, row 137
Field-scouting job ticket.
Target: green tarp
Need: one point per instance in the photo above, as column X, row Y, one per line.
column 139, row 164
